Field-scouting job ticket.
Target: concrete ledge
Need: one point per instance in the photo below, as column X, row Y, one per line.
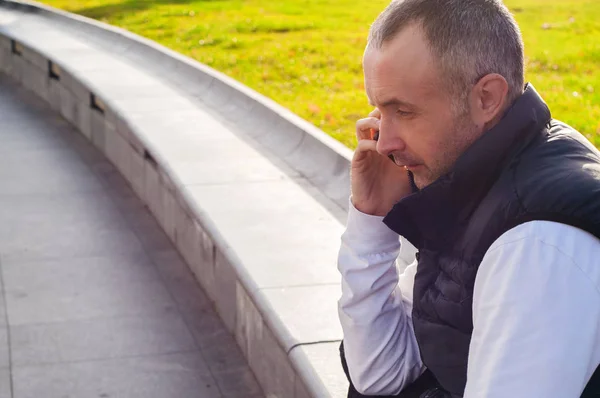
column 257, row 217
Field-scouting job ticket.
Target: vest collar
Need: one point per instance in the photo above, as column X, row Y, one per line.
column 430, row 214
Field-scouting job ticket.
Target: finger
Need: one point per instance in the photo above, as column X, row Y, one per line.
column 376, row 113
column 365, row 146
column 366, row 128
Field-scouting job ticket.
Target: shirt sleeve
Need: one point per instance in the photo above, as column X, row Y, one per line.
column 536, row 314
column 374, row 310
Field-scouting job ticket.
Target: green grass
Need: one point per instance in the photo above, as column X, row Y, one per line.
column 306, row 54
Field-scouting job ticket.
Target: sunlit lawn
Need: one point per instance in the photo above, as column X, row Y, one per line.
column 306, row 54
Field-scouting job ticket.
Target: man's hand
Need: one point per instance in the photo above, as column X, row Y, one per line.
column 376, row 182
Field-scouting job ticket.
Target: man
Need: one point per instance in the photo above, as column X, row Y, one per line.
column 501, row 201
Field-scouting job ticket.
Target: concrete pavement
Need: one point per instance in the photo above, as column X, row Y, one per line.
column 95, row 300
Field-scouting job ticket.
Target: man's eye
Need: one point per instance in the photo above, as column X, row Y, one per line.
column 400, row 112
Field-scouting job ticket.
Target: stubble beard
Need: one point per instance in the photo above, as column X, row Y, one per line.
column 461, row 136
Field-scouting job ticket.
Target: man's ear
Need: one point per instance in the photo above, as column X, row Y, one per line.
column 488, row 99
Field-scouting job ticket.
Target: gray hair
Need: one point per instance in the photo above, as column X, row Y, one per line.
column 468, row 38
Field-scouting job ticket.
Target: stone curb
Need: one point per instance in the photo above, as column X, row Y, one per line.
column 284, row 367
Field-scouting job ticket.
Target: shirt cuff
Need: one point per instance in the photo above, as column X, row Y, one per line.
column 367, row 230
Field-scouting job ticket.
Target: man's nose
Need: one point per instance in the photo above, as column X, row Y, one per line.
column 389, row 140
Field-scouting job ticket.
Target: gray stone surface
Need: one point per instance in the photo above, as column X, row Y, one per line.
column 29, row 303
column 4, row 348
column 97, row 127
column 179, row 280
column 229, row 150
column 101, row 338
column 98, row 302
column 205, row 325
column 2, row 308
column 222, row 354
column 265, row 207
column 271, row 365
column 198, row 250
column 142, row 105
column 159, row 376
column 300, row 390
column 225, row 286
column 217, row 159
column 136, row 178
column 151, row 235
column 35, row 227
column 27, row 139
column 171, row 209
column 249, row 321
column 320, row 366
column 295, row 305
column 193, row 122
column 117, row 150
column 5, row 59
column 5, row 383
column 62, row 173
column 34, row 58
column 238, row 383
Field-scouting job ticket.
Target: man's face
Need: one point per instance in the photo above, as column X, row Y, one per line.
column 419, row 125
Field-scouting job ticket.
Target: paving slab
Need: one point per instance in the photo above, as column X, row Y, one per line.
column 4, row 349
column 71, row 341
column 5, row 383
column 2, row 308
column 20, row 172
column 180, row 281
column 94, row 300
column 35, row 227
column 173, row 376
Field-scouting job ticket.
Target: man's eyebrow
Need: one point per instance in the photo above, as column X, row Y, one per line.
column 393, row 101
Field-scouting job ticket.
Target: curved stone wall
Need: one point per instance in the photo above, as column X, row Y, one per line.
column 252, row 196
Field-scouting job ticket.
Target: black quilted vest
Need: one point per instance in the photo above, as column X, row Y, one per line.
column 528, row 167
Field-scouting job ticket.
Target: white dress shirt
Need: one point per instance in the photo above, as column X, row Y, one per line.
column 536, row 311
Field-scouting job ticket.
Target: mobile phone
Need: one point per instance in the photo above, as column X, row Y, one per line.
column 374, row 134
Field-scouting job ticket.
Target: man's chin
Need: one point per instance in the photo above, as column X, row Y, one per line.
column 420, row 183
column 422, row 178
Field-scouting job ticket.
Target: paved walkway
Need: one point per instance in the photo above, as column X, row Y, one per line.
column 95, row 301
